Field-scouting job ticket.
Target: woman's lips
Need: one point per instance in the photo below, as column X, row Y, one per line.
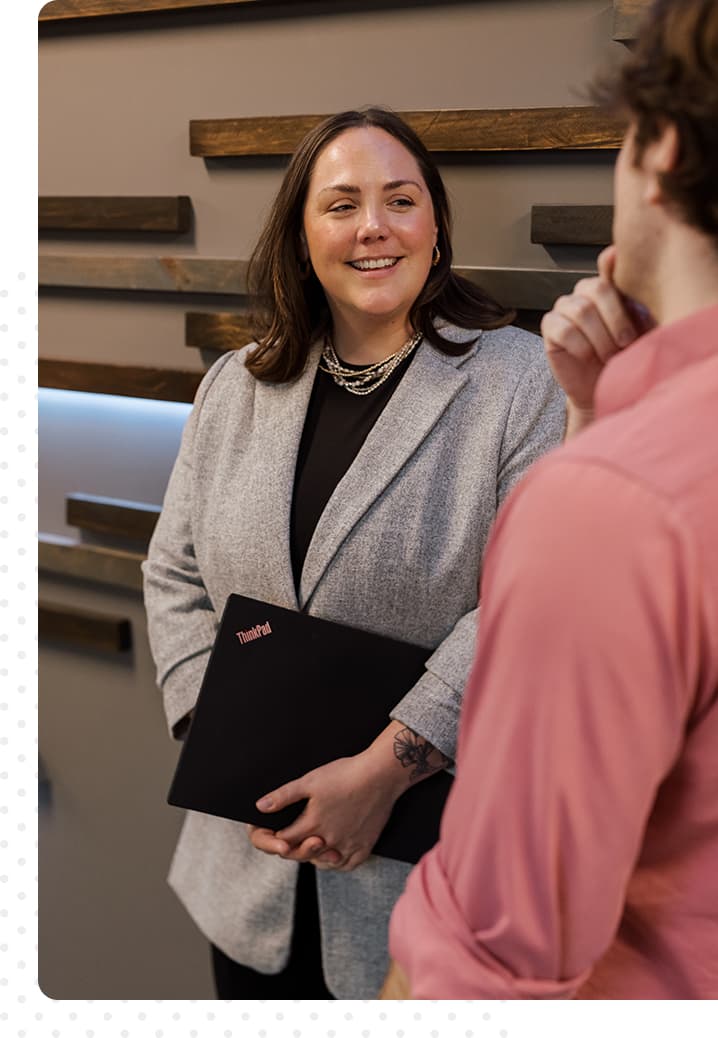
column 382, row 265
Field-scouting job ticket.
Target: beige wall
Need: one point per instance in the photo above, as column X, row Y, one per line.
column 115, row 108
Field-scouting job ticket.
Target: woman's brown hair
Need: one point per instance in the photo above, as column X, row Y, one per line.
column 672, row 77
column 291, row 311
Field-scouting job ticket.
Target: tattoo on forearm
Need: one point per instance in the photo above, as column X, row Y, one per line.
column 413, row 751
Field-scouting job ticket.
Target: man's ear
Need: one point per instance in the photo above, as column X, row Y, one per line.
column 659, row 157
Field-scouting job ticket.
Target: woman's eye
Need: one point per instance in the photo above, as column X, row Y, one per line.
column 403, row 203
column 343, row 207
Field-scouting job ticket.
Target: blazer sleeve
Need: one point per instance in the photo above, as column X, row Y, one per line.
column 181, row 621
column 535, row 423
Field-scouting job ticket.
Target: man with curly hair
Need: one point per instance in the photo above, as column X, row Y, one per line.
column 579, row 848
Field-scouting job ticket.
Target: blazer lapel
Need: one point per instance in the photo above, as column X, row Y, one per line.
column 420, row 399
column 280, row 411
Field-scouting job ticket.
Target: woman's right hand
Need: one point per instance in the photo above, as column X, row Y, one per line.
column 583, row 331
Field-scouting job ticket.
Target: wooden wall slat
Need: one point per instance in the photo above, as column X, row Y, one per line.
column 627, row 17
column 571, row 224
column 460, row 130
column 90, row 562
column 525, row 289
column 65, row 10
column 167, row 214
column 131, row 519
column 229, row 331
column 83, row 627
column 143, row 273
column 213, row 331
column 119, row 380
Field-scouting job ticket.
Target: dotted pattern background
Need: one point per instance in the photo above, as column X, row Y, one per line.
column 24, row 1010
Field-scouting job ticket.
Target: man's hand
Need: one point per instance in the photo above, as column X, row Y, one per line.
column 396, row 984
column 583, row 331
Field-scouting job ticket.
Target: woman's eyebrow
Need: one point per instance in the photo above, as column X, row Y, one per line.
column 394, row 184
column 343, row 189
column 351, row 189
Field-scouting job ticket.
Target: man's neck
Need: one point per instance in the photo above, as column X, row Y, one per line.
column 687, row 280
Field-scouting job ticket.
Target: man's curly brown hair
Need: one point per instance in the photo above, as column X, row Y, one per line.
column 672, row 76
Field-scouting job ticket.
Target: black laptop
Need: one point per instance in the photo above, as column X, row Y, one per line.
column 285, row 692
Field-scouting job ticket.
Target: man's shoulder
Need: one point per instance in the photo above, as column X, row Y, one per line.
column 665, row 440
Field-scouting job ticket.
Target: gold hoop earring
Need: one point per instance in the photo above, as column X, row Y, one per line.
column 436, row 256
column 305, row 269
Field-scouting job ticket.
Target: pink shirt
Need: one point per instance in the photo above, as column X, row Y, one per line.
column 579, row 847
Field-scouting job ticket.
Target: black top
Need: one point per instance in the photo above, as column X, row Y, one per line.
column 336, row 426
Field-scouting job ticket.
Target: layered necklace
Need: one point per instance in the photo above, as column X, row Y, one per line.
column 361, row 381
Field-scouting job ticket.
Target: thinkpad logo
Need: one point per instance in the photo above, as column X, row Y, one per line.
column 251, row 635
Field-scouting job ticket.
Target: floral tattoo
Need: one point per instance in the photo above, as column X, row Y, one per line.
column 413, row 751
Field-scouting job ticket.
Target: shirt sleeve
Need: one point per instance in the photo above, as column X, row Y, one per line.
column 573, row 716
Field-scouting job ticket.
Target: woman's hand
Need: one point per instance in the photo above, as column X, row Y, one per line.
column 349, row 800
column 349, row 803
column 583, row 331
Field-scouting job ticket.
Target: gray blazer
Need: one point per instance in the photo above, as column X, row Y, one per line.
column 397, row 550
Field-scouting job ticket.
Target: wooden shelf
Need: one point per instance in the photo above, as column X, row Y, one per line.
column 571, row 224
column 84, row 628
column 119, row 380
column 67, row 558
column 212, row 331
column 523, row 289
column 130, row 519
column 627, row 17
column 166, row 214
column 461, row 130
column 143, row 274
column 65, row 10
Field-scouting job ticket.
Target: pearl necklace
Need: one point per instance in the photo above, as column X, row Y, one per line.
column 364, row 380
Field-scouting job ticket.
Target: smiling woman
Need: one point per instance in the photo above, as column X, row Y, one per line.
column 370, row 243
column 349, row 463
column 361, row 188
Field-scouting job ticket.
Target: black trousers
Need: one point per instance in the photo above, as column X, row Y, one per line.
column 302, row 977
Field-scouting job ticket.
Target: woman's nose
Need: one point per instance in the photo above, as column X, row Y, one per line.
column 373, row 223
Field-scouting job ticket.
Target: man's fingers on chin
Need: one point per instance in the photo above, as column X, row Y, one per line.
column 607, row 262
column 558, row 331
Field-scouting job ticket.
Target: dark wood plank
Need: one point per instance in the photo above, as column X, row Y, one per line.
column 65, row 10
column 131, row 519
column 225, row 331
column 462, row 130
column 144, row 273
column 230, row 331
column 523, row 289
column 44, row 785
column 84, row 628
column 91, row 562
column 571, row 224
column 627, row 17
column 119, row 380
column 166, row 214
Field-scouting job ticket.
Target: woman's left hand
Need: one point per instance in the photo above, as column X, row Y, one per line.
column 349, row 803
